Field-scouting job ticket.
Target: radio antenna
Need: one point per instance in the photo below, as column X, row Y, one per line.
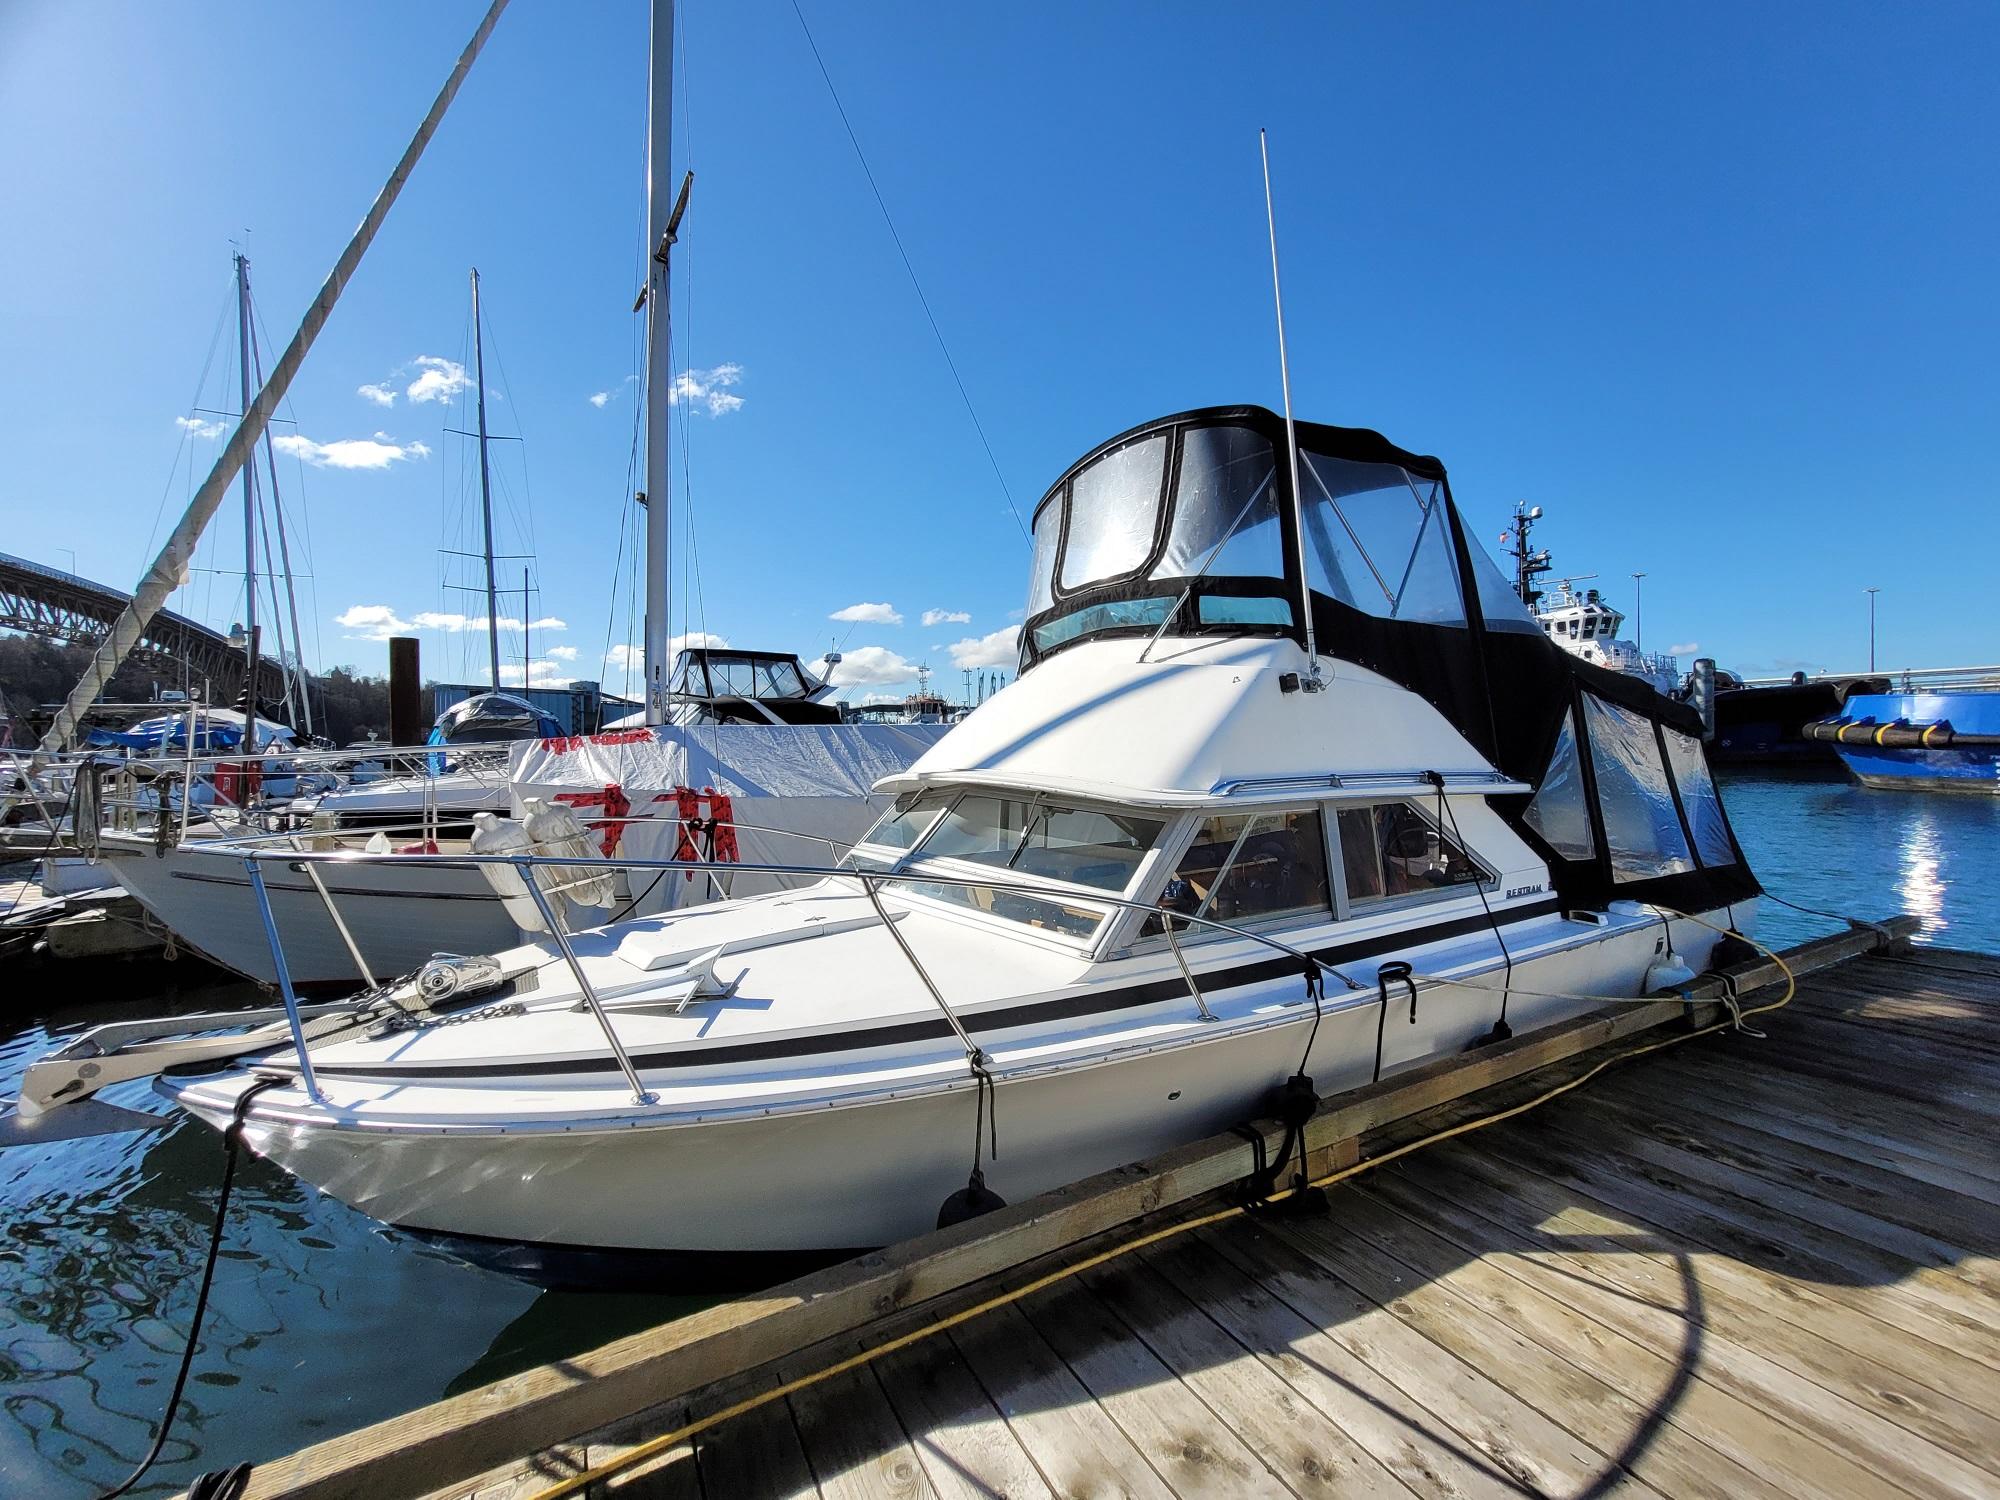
column 1312, row 683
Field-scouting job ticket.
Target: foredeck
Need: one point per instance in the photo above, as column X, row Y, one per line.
column 1736, row 1267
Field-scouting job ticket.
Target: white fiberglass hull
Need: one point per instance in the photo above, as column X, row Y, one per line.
column 845, row 1175
column 397, row 916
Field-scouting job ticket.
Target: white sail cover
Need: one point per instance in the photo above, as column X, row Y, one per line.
column 781, row 779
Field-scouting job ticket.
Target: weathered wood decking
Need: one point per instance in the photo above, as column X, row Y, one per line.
column 1735, row 1267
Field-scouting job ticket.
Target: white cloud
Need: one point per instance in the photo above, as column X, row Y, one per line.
column 371, row 622
column 869, row 614
column 707, row 389
column 870, row 665
column 349, row 453
column 1000, row 649
column 562, row 653
column 453, row 623
column 197, row 428
column 440, row 380
column 381, row 393
column 946, row 617
column 541, row 673
column 1685, row 648
column 600, row 399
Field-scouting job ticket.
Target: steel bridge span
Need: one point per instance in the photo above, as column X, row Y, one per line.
column 55, row 605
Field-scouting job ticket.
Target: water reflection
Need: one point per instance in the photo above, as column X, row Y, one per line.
column 1853, row 850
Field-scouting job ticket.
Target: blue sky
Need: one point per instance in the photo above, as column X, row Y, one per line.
column 1712, row 284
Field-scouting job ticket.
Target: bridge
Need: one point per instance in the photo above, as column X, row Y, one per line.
column 55, row 605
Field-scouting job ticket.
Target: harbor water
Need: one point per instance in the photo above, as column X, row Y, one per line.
column 321, row 1321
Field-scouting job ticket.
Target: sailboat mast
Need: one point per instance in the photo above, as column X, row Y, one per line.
column 660, row 218
column 485, row 490
column 249, row 507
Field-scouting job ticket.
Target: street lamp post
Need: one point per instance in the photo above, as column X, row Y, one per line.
column 1871, row 628
column 1639, row 610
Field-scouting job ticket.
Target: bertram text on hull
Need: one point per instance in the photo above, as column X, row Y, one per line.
column 1182, row 859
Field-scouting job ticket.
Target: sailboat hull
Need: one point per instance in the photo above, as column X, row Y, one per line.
column 399, row 916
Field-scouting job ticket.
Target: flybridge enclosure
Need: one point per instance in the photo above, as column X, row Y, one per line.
column 758, row 687
column 1191, row 523
column 1190, row 526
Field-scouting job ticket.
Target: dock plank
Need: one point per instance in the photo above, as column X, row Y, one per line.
column 1165, row 1420
column 1847, row 1245
column 1690, row 1440
column 1765, row 1106
column 1403, row 1437
column 1839, row 1341
column 1729, row 1389
column 854, row 1443
column 959, row 1436
column 1079, row 1449
column 755, row 1454
column 1309, row 1453
column 1537, row 1453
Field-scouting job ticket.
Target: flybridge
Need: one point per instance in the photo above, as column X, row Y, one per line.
column 1188, row 526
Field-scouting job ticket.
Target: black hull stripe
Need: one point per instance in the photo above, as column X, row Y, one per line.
column 1103, row 1001
column 243, row 882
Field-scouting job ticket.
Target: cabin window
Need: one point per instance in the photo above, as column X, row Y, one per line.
column 1242, row 867
column 1114, row 508
column 1634, row 799
column 1035, row 840
column 1049, row 840
column 1378, row 539
column 1560, row 811
column 907, row 820
column 1390, row 850
column 1712, row 844
column 1226, row 522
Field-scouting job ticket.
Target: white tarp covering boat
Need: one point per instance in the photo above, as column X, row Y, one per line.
column 791, row 787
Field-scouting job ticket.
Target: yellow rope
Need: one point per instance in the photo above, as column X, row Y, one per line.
column 653, row 1447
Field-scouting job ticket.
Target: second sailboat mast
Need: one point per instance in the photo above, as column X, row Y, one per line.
column 486, row 492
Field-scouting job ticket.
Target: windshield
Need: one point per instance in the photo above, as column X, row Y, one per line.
column 1032, row 840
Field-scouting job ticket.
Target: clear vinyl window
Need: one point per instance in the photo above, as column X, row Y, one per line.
column 1634, row 798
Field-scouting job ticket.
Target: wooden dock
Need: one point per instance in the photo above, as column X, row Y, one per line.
column 1740, row 1266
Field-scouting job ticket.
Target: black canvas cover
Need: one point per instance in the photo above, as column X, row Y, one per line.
column 1479, row 660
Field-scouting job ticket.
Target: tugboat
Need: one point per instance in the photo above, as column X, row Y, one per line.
column 1583, row 624
column 1933, row 742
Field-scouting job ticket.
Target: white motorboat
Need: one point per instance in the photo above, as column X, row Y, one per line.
column 1205, row 843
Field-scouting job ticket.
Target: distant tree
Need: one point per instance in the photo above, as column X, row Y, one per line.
column 35, row 673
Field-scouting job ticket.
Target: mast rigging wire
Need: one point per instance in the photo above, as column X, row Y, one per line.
column 931, row 317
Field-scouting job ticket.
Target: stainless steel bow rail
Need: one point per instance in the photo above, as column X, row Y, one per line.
column 253, row 851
